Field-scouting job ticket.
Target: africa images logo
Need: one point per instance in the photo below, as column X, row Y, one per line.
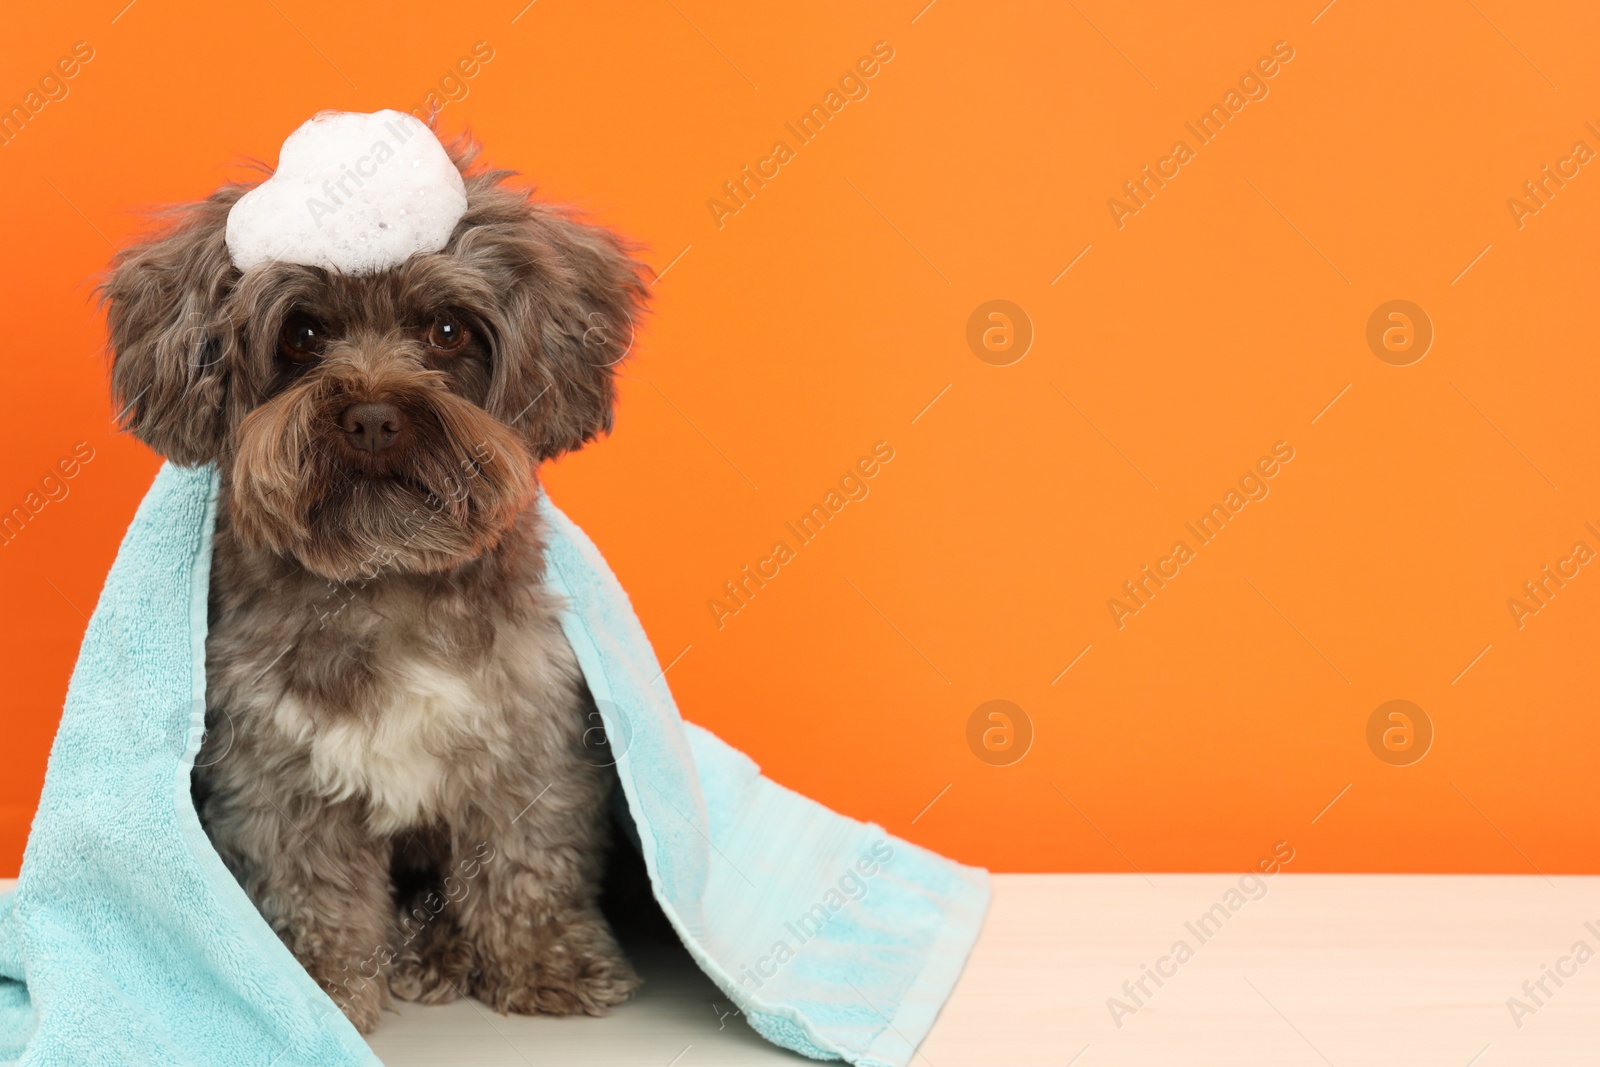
column 853, row 86
column 852, row 486
column 1253, row 485
column 847, row 889
column 1252, row 86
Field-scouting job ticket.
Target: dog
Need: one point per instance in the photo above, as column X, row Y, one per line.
column 398, row 765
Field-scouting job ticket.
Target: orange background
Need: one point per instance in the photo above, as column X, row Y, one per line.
column 826, row 314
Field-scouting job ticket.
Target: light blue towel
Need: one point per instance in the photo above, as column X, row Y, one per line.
column 127, row 942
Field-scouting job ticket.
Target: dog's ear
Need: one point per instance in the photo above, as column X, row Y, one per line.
column 169, row 340
column 572, row 300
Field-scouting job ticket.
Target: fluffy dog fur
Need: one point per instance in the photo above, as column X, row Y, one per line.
column 395, row 766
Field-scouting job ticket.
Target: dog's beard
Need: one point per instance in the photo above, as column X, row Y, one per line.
column 444, row 496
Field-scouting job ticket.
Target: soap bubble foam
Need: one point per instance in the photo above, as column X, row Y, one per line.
column 353, row 192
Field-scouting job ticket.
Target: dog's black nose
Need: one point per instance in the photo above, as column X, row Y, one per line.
column 372, row 427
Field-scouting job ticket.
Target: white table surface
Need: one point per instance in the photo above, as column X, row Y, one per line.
column 1339, row 970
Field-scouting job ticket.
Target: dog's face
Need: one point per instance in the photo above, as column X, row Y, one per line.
column 385, row 421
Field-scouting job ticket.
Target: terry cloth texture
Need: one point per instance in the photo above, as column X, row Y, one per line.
column 127, row 942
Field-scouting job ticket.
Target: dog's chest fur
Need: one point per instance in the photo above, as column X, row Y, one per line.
column 421, row 722
column 415, row 696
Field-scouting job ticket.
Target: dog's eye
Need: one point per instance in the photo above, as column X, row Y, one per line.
column 300, row 339
column 446, row 334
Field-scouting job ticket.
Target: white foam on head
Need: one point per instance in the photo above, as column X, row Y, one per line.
column 353, row 192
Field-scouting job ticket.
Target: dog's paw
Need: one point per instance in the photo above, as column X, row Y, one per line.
column 436, row 972
column 362, row 1000
column 575, row 971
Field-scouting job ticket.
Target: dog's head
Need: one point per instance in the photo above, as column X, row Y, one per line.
column 378, row 421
